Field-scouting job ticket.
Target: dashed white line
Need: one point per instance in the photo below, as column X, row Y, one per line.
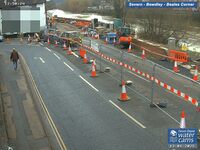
column 40, row 43
column 68, row 66
column 89, row 83
column 56, row 56
column 129, row 116
column 42, row 60
column 75, row 54
column 48, row 49
column 139, row 76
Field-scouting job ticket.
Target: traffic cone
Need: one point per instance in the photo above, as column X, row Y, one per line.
column 182, row 124
column 21, row 40
column 85, row 59
column 93, row 72
column 175, row 69
column 195, row 78
column 123, row 97
column 129, row 48
column 48, row 41
column 29, row 39
column 114, row 41
column 106, row 40
column 64, row 46
column 56, row 43
column 69, row 52
column 143, row 54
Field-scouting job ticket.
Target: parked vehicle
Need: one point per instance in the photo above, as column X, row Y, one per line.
column 111, row 36
column 1, row 38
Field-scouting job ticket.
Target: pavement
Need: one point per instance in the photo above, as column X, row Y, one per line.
column 24, row 129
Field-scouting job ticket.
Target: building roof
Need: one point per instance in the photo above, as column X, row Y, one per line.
column 13, row 3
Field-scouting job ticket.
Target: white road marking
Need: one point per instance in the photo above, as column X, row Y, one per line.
column 48, row 49
column 45, row 110
column 42, row 60
column 75, row 54
column 68, row 66
column 129, row 116
column 40, row 43
column 139, row 76
column 89, row 83
column 56, row 56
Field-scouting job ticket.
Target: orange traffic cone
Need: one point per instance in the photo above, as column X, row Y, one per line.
column 195, row 78
column 85, row 59
column 56, row 43
column 175, row 69
column 48, row 41
column 69, row 52
column 93, row 72
column 106, row 40
column 143, row 54
column 64, row 46
column 123, row 97
column 182, row 124
column 129, row 48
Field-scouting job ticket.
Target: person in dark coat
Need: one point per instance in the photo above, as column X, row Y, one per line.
column 14, row 57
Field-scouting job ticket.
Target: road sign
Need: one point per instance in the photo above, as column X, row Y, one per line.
column 95, row 45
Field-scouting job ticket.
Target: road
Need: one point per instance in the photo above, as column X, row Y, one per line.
column 86, row 110
column 142, row 87
column 88, row 118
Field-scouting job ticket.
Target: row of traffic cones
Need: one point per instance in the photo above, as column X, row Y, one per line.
column 143, row 56
column 176, row 69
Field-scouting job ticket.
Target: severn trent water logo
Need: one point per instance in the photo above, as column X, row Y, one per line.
column 182, row 138
column 173, row 133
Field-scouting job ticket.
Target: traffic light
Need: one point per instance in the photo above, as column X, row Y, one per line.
column 95, row 22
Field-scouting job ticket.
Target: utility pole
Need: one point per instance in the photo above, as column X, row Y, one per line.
column 124, row 12
column 152, row 85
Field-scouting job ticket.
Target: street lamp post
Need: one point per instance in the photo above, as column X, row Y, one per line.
column 124, row 12
column 152, row 85
column 122, row 62
column 100, row 63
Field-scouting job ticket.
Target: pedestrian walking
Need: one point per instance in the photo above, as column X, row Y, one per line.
column 14, row 57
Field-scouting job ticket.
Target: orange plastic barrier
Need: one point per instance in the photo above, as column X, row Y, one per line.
column 178, row 56
column 82, row 23
column 125, row 39
column 82, row 52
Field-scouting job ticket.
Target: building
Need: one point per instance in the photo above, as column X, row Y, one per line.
column 22, row 16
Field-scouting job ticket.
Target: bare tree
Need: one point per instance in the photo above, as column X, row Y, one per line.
column 76, row 6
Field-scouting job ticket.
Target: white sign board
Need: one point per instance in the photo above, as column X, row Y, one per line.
column 95, row 45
